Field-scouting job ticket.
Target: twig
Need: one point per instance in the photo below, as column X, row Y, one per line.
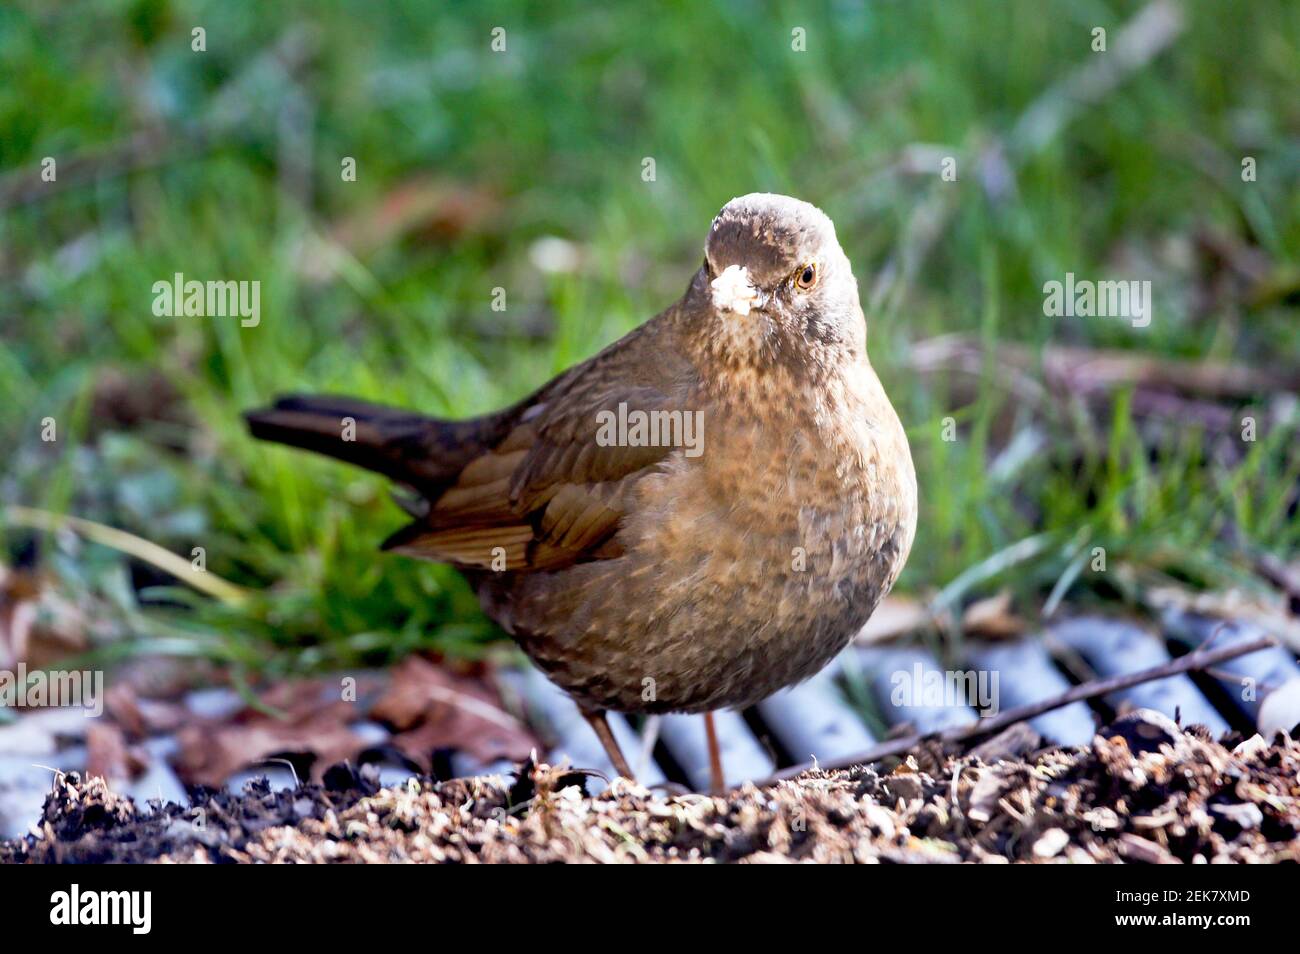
column 140, row 150
column 1074, row 369
column 1281, row 576
column 1138, row 42
column 297, row 783
column 144, row 550
column 1196, row 660
column 649, row 736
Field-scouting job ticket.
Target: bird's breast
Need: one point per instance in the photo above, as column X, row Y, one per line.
column 743, row 569
column 769, row 550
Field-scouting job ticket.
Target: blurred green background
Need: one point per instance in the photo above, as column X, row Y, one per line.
column 523, row 170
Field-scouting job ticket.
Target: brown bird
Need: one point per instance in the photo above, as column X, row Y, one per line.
column 703, row 513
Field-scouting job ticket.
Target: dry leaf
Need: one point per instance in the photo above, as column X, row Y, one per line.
column 17, row 614
column 437, row 208
column 433, row 709
column 141, row 718
column 210, row 756
column 37, row 625
column 992, row 618
column 106, row 754
column 315, row 724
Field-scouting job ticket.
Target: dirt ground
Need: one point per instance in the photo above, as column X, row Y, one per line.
column 1144, row 791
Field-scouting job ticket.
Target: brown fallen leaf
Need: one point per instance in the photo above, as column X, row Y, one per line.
column 437, row 208
column 140, row 718
column 38, row 626
column 992, row 618
column 210, row 756
column 123, row 709
column 431, row 708
column 305, row 717
column 106, row 754
column 301, row 700
column 18, row 594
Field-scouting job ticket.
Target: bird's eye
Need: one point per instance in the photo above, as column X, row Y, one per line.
column 808, row 276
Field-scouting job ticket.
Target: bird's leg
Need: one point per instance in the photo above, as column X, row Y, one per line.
column 596, row 719
column 716, row 778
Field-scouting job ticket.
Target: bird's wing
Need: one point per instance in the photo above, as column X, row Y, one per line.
column 550, row 493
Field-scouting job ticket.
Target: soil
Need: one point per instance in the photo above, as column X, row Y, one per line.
column 1144, row 791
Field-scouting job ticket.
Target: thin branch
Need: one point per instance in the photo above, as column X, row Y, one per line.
column 144, row 550
column 1281, row 576
column 1078, row 370
column 1197, row 660
column 1139, row 41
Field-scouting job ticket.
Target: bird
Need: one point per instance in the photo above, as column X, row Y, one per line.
column 704, row 512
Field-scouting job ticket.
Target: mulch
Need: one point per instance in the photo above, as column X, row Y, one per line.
column 1145, row 790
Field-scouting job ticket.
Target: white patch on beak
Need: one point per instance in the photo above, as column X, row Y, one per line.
column 733, row 291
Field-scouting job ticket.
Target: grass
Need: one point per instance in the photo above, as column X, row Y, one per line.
column 557, row 128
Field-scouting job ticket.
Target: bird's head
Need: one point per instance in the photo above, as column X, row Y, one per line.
column 775, row 284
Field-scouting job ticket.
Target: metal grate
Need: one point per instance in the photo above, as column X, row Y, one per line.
column 816, row 719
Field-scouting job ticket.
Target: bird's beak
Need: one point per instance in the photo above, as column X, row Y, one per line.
column 733, row 291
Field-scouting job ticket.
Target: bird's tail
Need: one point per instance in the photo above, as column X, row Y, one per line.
column 423, row 452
